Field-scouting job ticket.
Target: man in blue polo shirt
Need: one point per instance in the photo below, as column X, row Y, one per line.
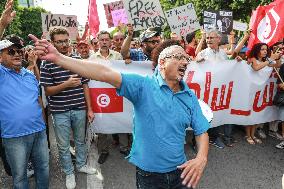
column 164, row 107
column 21, row 122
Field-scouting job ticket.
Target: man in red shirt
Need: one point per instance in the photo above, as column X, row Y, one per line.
column 191, row 44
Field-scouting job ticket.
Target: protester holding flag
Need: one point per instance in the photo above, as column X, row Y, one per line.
column 162, row 115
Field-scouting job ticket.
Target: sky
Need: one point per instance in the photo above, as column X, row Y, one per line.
column 76, row 7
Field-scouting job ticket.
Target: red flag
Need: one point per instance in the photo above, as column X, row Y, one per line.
column 105, row 100
column 267, row 24
column 93, row 18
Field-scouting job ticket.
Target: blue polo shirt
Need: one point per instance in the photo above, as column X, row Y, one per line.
column 161, row 118
column 20, row 112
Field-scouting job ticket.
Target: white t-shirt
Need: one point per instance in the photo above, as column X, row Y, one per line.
column 211, row 54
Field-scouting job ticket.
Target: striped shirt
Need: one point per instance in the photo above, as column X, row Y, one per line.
column 68, row 99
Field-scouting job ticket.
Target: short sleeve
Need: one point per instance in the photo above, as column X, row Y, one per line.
column 1, row 74
column 199, row 123
column 46, row 78
column 131, row 87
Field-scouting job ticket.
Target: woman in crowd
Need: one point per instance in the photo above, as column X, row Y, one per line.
column 260, row 57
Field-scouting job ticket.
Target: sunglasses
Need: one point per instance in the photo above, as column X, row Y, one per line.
column 12, row 52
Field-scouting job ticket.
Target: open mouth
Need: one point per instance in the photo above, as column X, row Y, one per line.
column 181, row 71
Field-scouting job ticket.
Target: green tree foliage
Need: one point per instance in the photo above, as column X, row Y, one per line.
column 27, row 20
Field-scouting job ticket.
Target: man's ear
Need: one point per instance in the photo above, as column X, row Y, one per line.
column 0, row 56
column 162, row 64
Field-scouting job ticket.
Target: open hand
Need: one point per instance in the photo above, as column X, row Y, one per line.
column 73, row 81
column 7, row 15
column 192, row 171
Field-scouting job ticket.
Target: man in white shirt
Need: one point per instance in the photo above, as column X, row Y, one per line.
column 212, row 52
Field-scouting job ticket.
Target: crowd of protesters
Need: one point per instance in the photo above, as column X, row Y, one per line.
column 33, row 90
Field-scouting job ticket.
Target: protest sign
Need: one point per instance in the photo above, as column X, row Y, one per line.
column 240, row 26
column 221, row 20
column 220, row 84
column 144, row 14
column 183, row 19
column 67, row 21
column 119, row 16
column 109, row 7
column 209, row 20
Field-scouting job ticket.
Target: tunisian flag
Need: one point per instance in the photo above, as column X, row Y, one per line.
column 93, row 18
column 267, row 24
column 106, row 100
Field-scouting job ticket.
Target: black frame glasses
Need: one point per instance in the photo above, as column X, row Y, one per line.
column 179, row 57
column 61, row 43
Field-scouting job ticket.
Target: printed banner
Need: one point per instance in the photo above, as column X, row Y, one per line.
column 235, row 92
column 144, row 14
column 109, row 7
column 221, row 20
column 183, row 19
column 67, row 21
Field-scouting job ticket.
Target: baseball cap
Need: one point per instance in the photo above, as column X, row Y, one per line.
column 11, row 40
column 82, row 42
column 150, row 32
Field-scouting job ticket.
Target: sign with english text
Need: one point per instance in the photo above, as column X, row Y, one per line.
column 235, row 92
column 56, row 20
column 183, row 19
column 144, row 14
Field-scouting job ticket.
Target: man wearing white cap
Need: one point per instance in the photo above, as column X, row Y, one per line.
column 21, row 122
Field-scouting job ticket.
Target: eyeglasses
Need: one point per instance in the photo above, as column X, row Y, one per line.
column 119, row 39
column 61, row 43
column 12, row 52
column 179, row 57
column 153, row 42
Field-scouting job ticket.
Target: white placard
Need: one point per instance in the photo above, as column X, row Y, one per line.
column 183, row 19
column 240, row 26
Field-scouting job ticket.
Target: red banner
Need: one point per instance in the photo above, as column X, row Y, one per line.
column 267, row 24
column 93, row 18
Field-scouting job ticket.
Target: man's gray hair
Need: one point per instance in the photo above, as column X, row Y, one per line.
column 217, row 32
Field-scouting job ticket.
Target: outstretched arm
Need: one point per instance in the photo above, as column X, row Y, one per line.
column 87, row 69
column 7, row 16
